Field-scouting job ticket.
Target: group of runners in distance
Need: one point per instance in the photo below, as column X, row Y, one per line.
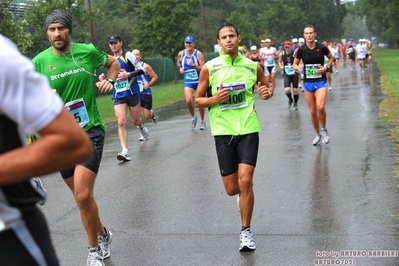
column 225, row 86
column 267, row 56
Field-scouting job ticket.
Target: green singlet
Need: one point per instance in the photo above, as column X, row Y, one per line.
column 237, row 116
column 72, row 76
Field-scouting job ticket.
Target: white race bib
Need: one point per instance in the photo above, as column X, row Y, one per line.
column 121, row 85
column 77, row 109
column 237, row 96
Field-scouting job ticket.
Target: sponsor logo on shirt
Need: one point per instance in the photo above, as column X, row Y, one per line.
column 67, row 73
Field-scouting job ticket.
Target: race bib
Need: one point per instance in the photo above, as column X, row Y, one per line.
column 141, row 85
column 191, row 74
column 237, row 98
column 270, row 63
column 289, row 70
column 77, row 109
column 121, row 85
column 311, row 71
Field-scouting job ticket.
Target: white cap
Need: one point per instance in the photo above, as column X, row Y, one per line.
column 253, row 48
column 301, row 40
column 295, row 40
column 268, row 40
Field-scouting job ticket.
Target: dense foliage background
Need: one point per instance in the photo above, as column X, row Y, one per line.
column 158, row 27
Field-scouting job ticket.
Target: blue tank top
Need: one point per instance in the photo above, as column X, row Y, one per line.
column 191, row 75
column 140, row 81
column 125, row 87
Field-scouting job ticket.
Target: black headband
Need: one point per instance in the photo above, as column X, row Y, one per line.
column 59, row 16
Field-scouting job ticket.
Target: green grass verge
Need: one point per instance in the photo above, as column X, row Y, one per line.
column 162, row 94
column 387, row 61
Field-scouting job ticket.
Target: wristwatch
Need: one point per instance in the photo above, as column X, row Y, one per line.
column 111, row 81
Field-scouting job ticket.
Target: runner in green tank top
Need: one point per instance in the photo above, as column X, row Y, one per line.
column 225, row 86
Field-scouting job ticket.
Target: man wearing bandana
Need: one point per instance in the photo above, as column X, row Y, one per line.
column 70, row 68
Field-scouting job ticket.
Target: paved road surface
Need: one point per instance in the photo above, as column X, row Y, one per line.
column 168, row 205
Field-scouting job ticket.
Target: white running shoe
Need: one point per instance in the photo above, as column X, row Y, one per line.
column 194, row 123
column 144, row 132
column 316, row 139
column 203, row 125
column 103, row 243
column 93, row 259
column 325, row 138
column 154, row 119
column 123, row 157
column 247, row 242
column 142, row 138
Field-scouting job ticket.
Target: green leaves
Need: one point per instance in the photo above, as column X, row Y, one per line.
column 13, row 27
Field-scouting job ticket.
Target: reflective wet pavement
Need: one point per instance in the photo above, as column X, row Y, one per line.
column 168, row 206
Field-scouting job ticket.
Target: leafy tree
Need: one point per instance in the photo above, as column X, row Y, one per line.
column 204, row 28
column 14, row 28
column 162, row 25
column 381, row 18
column 37, row 10
column 113, row 17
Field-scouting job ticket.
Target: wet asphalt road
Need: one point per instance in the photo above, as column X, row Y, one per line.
column 168, row 206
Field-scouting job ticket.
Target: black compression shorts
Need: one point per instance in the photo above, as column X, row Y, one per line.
column 233, row 150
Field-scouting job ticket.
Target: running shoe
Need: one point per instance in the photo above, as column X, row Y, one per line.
column 325, row 138
column 295, row 106
column 316, row 139
column 142, row 138
column 194, row 123
column 123, row 157
column 329, row 88
column 144, row 132
column 154, row 118
column 103, row 243
column 247, row 242
column 289, row 104
column 93, row 259
column 41, row 190
column 203, row 125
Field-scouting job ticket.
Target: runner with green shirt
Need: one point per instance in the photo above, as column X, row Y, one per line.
column 70, row 70
column 226, row 87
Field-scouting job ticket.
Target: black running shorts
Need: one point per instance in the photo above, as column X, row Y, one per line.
column 96, row 135
column 233, row 150
column 146, row 101
column 131, row 100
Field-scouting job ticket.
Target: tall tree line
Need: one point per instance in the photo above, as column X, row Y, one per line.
column 158, row 27
column 382, row 18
